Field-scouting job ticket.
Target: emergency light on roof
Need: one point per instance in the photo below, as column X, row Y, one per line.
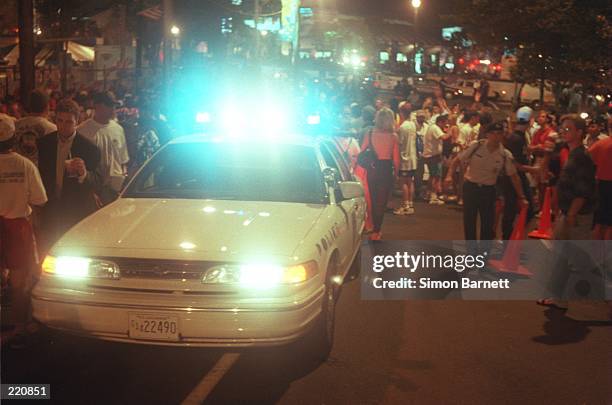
column 202, row 117
column 313, row 120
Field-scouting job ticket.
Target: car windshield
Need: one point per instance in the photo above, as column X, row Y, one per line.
column 232, row 171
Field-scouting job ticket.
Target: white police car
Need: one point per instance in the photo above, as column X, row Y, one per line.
column 215, row 242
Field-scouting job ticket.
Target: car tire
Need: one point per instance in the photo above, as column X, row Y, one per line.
column 320, row 339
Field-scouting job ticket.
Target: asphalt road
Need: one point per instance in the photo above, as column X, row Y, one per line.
column 395, row 352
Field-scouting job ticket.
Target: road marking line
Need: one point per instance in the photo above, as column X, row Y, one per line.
column 211, row 379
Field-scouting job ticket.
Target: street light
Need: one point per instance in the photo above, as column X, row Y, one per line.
column 416, row 4
column 174, row 30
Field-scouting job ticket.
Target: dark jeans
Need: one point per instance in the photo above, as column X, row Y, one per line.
column 478, row 201
column 380, row 182
column 511, row 209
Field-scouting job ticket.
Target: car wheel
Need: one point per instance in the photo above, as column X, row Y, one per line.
column 320, row 340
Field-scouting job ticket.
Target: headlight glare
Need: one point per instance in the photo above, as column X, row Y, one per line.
column 259, row 276
column 80, row 267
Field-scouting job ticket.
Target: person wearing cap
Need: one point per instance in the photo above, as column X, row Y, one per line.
column 525, row 115
column 21, row 188
column 67, row 162
column 596, row 131
column 34, row 126
column 485, row 161
column 109, row 136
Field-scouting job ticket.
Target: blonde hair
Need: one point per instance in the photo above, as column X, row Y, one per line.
column 385, row 120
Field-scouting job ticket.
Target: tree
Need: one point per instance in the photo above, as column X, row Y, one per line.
column 559, row 41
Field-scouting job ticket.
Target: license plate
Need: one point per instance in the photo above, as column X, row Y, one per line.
column 153, row 327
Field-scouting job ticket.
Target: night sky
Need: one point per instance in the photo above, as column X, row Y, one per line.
column 399, row 9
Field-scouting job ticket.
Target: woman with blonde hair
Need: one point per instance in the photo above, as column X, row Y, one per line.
column 383, row 169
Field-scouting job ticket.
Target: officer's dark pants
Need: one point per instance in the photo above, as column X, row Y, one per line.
column 478, row 201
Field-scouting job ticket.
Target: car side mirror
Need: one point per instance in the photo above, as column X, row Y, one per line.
column 351, row 189
column 331, row 176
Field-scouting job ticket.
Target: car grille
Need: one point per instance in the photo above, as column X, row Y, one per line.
column 161, row 269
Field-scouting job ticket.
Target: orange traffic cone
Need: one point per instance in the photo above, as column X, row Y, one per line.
column 510, row 263
column 544, row 230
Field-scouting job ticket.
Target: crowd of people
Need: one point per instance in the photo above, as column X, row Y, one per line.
column 493, row 168
column 63, row 159
column 60, row 162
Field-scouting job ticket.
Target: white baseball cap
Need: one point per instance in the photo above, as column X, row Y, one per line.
column 7, row 127
column 524, row 114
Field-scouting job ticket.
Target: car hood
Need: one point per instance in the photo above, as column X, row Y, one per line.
column 177, row 228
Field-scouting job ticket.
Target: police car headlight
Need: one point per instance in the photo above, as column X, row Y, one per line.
column 80, row 267
column 259, row 275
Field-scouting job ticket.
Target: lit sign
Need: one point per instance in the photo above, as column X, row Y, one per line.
column 306, row 11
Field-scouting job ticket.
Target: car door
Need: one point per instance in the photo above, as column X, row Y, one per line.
column 353, row 210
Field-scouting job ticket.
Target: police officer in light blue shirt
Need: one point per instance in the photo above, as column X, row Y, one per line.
column 485, row 161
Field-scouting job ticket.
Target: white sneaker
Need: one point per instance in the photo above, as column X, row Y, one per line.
column 409, row 211
column 435, row 201
column 400, row 211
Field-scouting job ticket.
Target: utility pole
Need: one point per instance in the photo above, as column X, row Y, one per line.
column 26, row 50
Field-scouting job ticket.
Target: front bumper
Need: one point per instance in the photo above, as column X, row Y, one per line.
column 198, row 326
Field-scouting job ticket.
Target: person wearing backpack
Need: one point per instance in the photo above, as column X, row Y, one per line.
column 485, row 161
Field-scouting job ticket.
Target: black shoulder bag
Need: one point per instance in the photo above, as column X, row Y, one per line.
column 367, row 158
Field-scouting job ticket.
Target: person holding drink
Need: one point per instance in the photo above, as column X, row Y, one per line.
column 67, row 162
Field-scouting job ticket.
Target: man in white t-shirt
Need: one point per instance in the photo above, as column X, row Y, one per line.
column 468, row 129
column 34, row 126
column 407, row 134
column 109, row 136
column 432, row 152
column 20, row 188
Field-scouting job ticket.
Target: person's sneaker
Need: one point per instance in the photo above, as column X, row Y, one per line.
column 400, row 211
column 435, row 201
column 409, row 211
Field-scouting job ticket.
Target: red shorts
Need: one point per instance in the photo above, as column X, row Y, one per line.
column 17, row 244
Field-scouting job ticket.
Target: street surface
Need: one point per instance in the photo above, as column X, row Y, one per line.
column 395, row 352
